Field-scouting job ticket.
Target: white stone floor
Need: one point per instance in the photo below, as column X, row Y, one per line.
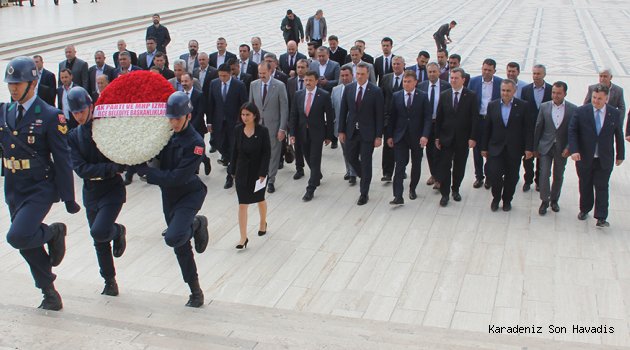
column 460, row 267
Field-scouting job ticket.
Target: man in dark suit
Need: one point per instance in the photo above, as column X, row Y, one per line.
column 101, row 83
column 408, row 131
column 551, row 144
column 361, row 125
column 507, row 137
column 122, row 47
column 536, row 93
column 221, row 55
column 62, row 97
column 454, row 61
column 487, row 87
column 326, row 69
column 275, row 72
column 192, row 57
column 420, row 68
column 383, row 63
column 592, row 130
column 204, row 73
column 159, row 33
column 197, row 119
column 433, row 87
column 159, row 62
column 124, row 65
column 364, row 56
column 294, row 85
column 77, row 66
column 100, row 68
column 46, row 77
column 312, row 120
column 389, row 84
column 337, row 54
column 225, row 98
column 243, row 77
column 456, row 125
column 145, row 61
column 442, row 61
column 288, row 60
column 247, row 66
column 442, row 35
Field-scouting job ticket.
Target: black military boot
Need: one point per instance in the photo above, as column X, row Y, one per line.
column 200, row 232
column 57, row 244
column 111, row 287
column 196, row 298
column 52, row 299
column 120, row 243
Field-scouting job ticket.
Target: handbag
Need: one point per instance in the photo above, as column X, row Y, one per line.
column 289, row 154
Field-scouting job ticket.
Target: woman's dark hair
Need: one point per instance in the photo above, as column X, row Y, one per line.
column 251, row 107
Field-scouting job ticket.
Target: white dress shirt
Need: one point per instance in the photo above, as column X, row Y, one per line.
column 557, row 113
column 486, row 95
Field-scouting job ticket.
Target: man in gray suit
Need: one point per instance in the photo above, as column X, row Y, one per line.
column 270, row 96
column 77, row 66
column 355, row 59
column 615, row 95
column 326, row 69
column 257, row 54
column 179, row 67
column 551, row 144
column 345, row 78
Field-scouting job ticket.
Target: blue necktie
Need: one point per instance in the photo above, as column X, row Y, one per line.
column 224, row 93
column 598, row 121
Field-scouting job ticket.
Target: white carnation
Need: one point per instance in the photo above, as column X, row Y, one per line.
column 131, row 140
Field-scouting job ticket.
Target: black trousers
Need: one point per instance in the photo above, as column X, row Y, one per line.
column 433, row 155
column 28, row 234
column 364, row 149
column 503, row 172
column 402, row 149
column 480, row 168
column 530, row 175
column 440, row 43
column 103, row 231
column 388, row 159
column 178, row 236
column 312, row 150
column 595, row 178
column 452, row 157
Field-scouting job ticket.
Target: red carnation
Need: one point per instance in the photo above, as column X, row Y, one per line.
column 136, row 87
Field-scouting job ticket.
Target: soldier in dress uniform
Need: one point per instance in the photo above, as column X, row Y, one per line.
column 31, row 131
column 183, row 192
column 103, row 188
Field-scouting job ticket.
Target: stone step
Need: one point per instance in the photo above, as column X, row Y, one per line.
column 145, row 320
column 54, row 41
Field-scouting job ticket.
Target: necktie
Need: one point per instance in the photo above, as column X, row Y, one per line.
column 409, row 100
column 290, row 62
column 264, row 93
column 224, row 93
column 301, row 84
column 309, row 101
column 397, row 84
column 243, row 67
column 21, row 115
column 432, row 98
column 386, row 69
column 598, row 121
column 456, row 100
column 359, row 98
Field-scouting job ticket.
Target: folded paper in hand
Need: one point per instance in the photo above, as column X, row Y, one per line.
column 260, row 184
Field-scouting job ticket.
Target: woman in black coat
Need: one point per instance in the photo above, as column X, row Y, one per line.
column 249, row 165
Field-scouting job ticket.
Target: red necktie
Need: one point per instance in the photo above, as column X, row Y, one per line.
column 309, row 101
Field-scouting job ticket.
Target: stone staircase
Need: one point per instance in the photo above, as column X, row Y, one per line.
column 143, row 320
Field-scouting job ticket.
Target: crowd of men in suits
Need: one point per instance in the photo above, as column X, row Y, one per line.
column 332, row 95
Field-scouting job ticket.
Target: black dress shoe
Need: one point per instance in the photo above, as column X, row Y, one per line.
column 195, row 299
column 164, row 232
column 478, row 183
column 554, row 206
column 582, row 215
column 307, row 196
column 262, row 233
column 412, row 194
column 602, row 223
column 111, row 288
column 397, row 201
column 298, row 175
column 487, row 185
column 128, row 180
column 334, row 144
column 212, row 149
column 57, row 244
column 527, row 187
column 353, row 180
column 346, row 177
column 443, row 201
column 244, row 245
column 362, row 200
column 507, row 206
column 494, row 206
column 207, row 168
column 456, row 196
column 537, row 188
column 386, row 178
column 281, row 165
column 271, row 188
column 120, row 243
column 200, row 233
column 52, row 299
column 229, row 182
column 543, row 208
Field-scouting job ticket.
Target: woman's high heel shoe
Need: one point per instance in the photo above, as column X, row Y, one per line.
column 262, row 233
column 244, row 245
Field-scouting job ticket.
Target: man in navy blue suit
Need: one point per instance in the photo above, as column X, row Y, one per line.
column 408, row 131
column 226, row 95
column 591, row 133
column 361, row 125
column 487, row 86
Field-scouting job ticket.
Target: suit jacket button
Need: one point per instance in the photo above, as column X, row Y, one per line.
column 12, row 146
column 15, row 133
